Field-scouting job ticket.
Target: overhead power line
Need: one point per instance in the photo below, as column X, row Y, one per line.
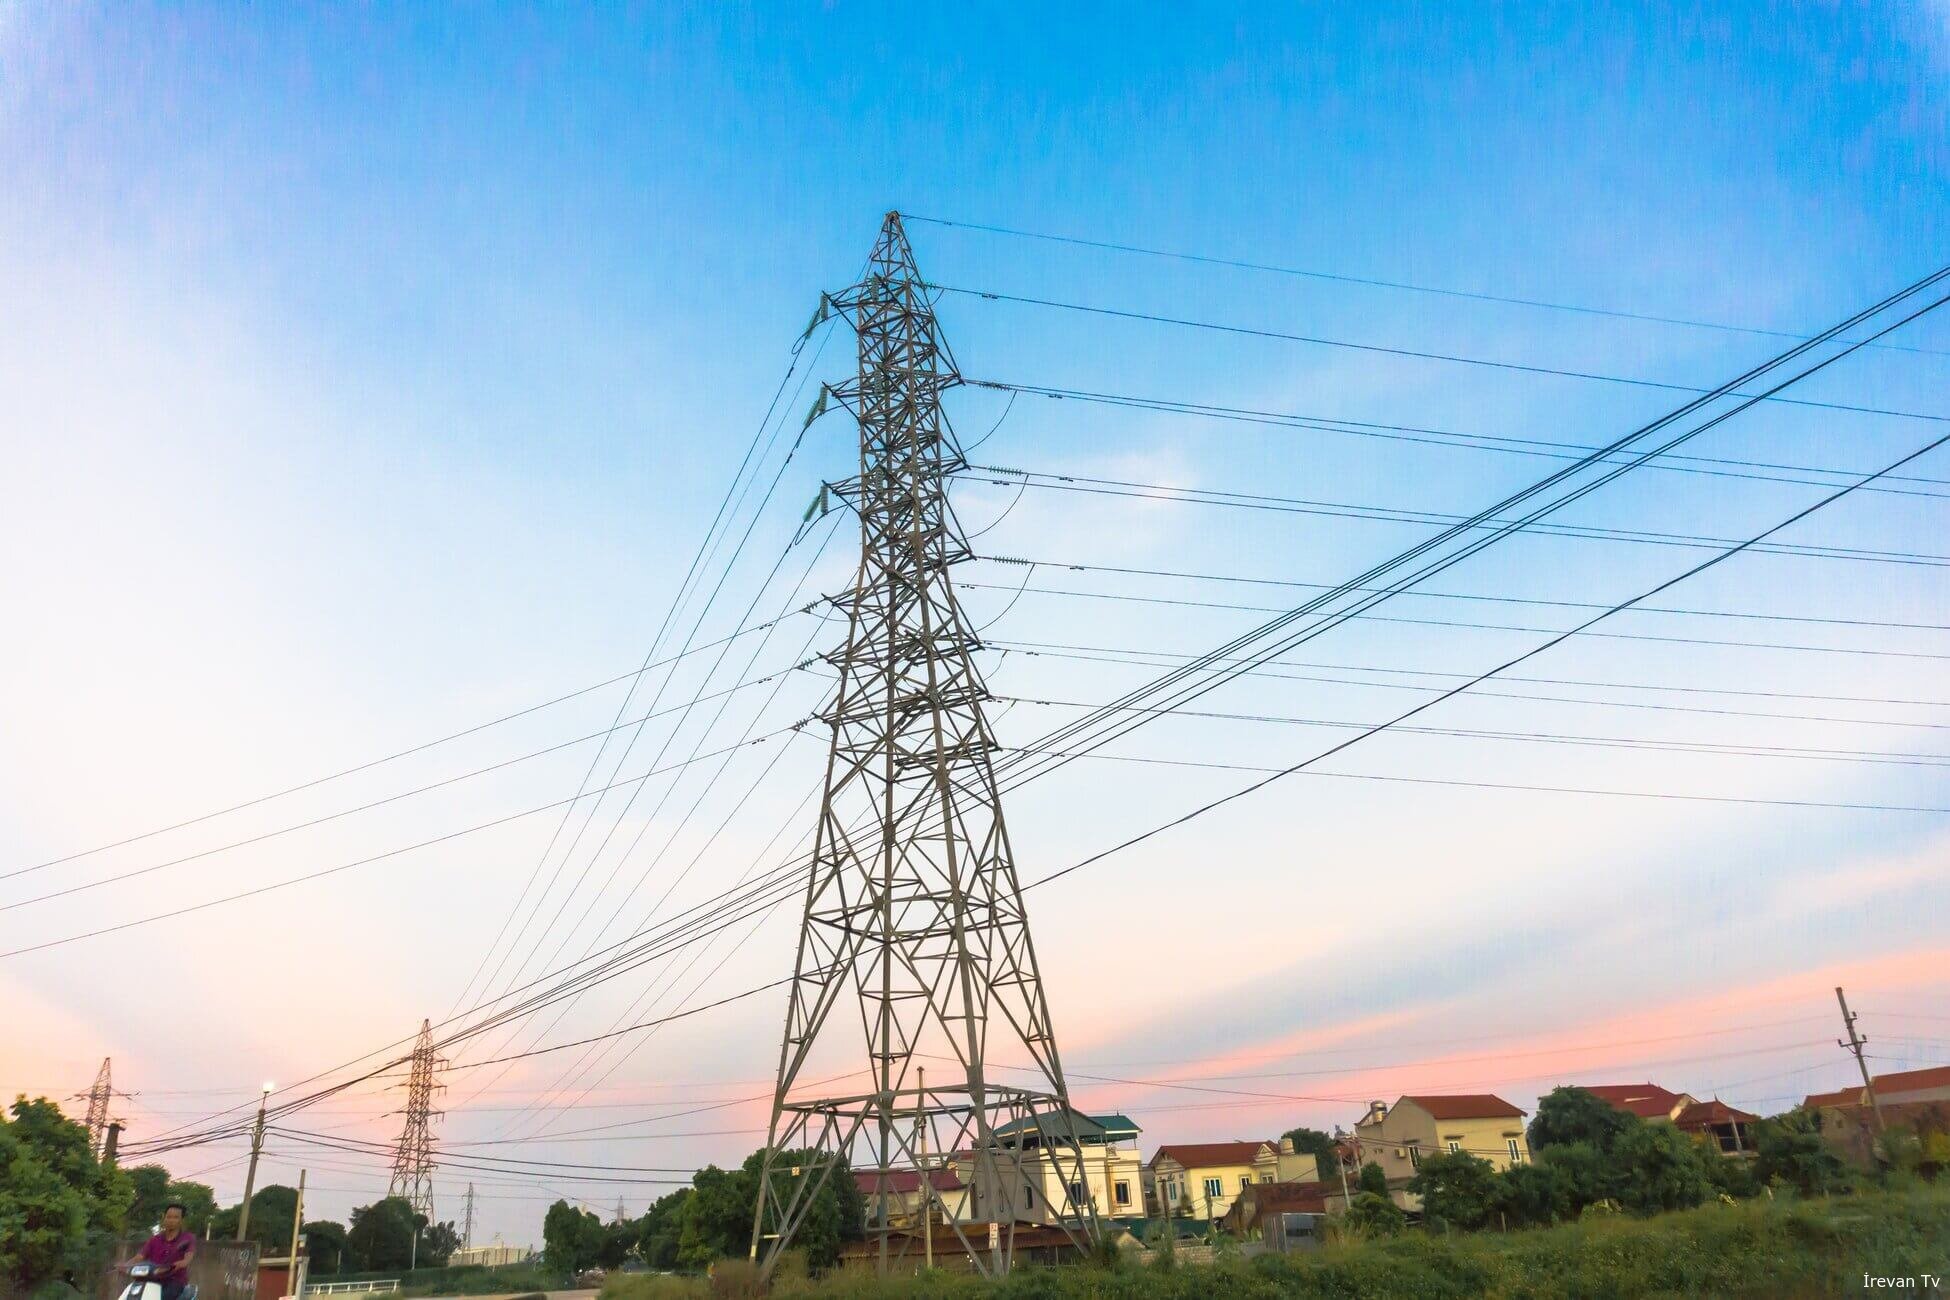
column 1416, row 354
column 1181, row 603
column 1546, row 448
column 1392, row 514
column 1483, row 598
column 1378, row 283
column 1531, row 653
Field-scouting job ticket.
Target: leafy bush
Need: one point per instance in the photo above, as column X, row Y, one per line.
column 1372, row 1216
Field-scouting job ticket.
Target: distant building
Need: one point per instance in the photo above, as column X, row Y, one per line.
column 1902, row 1086
column 493, row 1255
column 1728, row 1128
column 1278, row 1162
column 1256, row 1204
column 1400, row 1137
column 1200, row 1179
column 905, row 1198
column 1112, row 1173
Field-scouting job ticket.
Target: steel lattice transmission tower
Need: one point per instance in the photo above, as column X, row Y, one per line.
column 100, row 1097
column 413, row 1160
column 913, row 910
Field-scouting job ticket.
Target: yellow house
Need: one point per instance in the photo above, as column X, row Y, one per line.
column 1398, row 1137
column 1200, row 1179
column 1278, row 1162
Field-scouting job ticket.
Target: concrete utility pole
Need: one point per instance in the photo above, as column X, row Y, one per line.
column 250, row 1177
column 927, row 1176
column 297, row 1234
column 113, row 1140
column 1855, row 1043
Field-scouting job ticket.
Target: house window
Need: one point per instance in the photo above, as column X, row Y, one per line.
column 1516, row 1156
column 1214, row 1189
column 1171, row 1191
column 1264, row 1178
column 1121, row 1193
column 1455, row 1147
column 1245, row 1181
column 1415, row 1157
column 1076, row 1195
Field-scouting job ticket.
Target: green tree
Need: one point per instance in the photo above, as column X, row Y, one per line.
column 1533, row 1194
column 1375, row 1216
column 571, row 1238
column 325, row 1243
column 272, row 1207
column 1570, row 1115
column 43, row 1219
column 60, row 1209
column 1457, row 1189
column 659, row 1229
column 717, row 1217
column 438, row 1242
column 619, row 1239
column 1374, row 1179
column 151, row 1184
column 379, row 1237
column 1791, row 1153
column 1660, row 1168
column 1587, row 1174
column 837, row 1214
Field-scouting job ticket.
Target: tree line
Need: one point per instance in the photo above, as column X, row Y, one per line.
column 694, row 1226
column 64, row 1213
column 1586, row 1153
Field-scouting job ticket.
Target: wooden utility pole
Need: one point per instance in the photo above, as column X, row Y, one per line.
column 1855, row 1043
column 250, row 1178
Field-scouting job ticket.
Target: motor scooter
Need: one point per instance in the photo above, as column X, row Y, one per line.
column 146, row 1284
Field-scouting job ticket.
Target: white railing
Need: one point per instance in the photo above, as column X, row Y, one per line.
column 352, row 1288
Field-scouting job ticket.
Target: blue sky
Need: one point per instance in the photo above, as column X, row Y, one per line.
column 372, row 373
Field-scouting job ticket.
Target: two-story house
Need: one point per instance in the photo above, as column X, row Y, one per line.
column 1200, row 1179
column 1401, row 1136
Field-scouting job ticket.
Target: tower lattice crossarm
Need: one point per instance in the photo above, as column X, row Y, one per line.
column 913, row 908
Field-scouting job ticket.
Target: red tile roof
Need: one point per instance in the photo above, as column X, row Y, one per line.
column 1912, row 1081
column 1195, row 1155
column 1468, row 1105
column 901, row 1182
column 1702, row 1113
column 1646, row 1100
column 1898, row 1084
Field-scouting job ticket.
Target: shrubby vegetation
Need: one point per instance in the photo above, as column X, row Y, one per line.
column 1763, row 1248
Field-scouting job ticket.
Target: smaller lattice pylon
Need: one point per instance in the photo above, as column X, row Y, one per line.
column 413, row 1159
column 99, row 1097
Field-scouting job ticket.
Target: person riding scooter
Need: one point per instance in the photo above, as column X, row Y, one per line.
column 169, row 1254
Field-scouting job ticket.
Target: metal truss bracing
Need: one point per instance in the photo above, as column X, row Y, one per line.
column 99, row 1099
column 913, row 910
column 413, row 1160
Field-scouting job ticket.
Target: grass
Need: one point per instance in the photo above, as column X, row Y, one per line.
column 1780, row 1250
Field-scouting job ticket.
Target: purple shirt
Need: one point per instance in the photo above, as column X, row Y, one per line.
column 166, row 1254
